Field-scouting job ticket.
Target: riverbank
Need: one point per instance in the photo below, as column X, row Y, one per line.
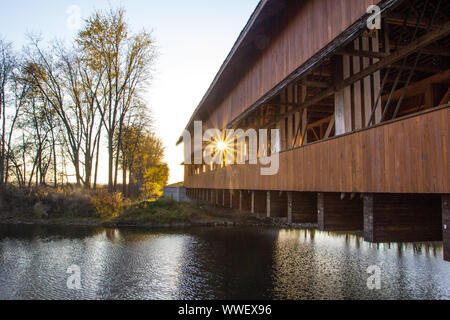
column 78, row 207
column 162, row 213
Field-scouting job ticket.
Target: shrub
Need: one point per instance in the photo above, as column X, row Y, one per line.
column 40, row 211
column 108, row 206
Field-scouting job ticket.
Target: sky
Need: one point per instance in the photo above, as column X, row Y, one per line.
column 192, row 37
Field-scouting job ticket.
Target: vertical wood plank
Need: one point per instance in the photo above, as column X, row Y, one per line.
column 357, row 89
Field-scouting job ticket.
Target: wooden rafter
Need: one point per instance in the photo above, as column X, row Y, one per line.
column 389, row 60
column 330, row 127
column 320, row 122
column 362, row 53
column 397, row 19
column 446, row 98
column 419, row 87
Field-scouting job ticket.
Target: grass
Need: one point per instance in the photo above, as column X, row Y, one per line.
column 65, row 206
column 162, row 211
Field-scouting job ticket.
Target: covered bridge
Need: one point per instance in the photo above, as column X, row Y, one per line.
column 363, row 114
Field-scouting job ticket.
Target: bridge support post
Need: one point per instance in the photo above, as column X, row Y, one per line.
column 398, row 218
column 289, row 207
column 253, row 202
column 337, row 212
column 226, row 198
column 268, row 204
column 304, row 207
column 246, row 201
column 231, row 199
column 240, row 200
column 260, row 203
column 446, row 225
column 279, row 205
column 236, row 200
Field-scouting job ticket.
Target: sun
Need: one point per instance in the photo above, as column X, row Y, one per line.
column 222, row 146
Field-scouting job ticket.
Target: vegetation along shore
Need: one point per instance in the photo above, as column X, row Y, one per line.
column 81, row 207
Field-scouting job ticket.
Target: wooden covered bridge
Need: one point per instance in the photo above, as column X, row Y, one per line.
column 363, row 114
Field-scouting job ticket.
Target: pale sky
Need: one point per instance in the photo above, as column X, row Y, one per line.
column 193, row 39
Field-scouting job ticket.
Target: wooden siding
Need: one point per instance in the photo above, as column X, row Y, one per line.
column 313, row 25
column 407, row 156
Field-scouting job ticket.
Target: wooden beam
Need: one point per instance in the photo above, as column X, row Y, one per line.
column 320, row 107
column 330, row 127
column 315, row 133
column 362, row 53
column 321, row 73
column 398, row 20
column 376, row 82
column 420, row 86
column 320, row 122
column 304, row 116
column 366, row 82
column 418, row 68
column 446, row 98
column 411, row 110
column 357, row 101
column 432, row 50
column 318, row 84
column 391, row 59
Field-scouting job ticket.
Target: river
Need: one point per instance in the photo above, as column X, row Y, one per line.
column 215, row 263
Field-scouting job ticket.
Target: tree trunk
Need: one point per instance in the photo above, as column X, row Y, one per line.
column 96, row 160
column 77, row 168
column 55, row 173
column 130, row 181
column 119, row 147
column 2, row 154
column 110, row 162
column 124, row 180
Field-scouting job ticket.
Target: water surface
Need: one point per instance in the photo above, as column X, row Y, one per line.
column 213, row 263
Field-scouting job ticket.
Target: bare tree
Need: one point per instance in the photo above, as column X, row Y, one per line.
column 127, row 61
column 49, row 74
column 7, row 65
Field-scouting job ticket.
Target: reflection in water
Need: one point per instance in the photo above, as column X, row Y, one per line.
column 214, row 263
column 324, row 265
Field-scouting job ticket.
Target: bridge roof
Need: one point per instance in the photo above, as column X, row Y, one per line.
column 242, row 48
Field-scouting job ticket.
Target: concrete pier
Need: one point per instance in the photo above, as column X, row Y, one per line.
column 446, row 225
column 395, row 218
column 226, row 198
column 339, row 212
column 260, row 203
column 246, row 201
column 236, row 195
column 304, row 207
column 278, row 204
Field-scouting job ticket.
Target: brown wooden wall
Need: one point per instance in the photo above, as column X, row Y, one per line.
column 407, row 156
column 311, row 28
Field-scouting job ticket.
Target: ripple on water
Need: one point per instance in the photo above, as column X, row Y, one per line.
column 220, row 263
